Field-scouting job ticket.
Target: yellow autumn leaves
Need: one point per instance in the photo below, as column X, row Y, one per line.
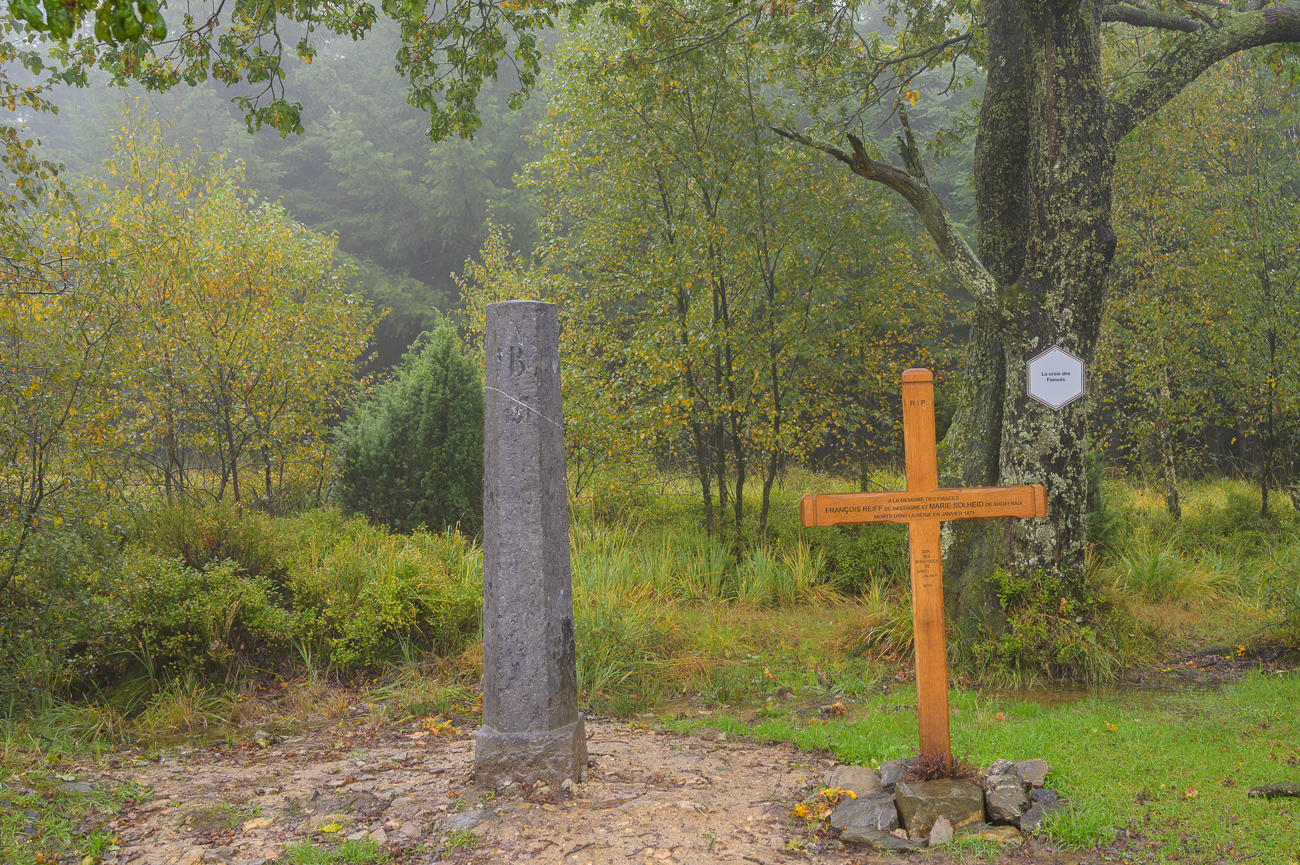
column 182, row 333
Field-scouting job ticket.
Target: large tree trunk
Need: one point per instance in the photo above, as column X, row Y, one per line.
column 1044, row 169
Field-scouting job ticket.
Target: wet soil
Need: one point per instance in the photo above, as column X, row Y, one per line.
column 648, row 796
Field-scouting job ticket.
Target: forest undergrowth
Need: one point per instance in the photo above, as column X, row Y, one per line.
column 211, row 621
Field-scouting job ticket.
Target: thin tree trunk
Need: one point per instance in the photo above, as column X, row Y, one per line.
column 1172, row 503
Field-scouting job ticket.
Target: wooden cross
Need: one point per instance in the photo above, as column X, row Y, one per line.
column 923, row 506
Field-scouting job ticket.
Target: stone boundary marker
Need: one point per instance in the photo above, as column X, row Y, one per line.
column 532, row 730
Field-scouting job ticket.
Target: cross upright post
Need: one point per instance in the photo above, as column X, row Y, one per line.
column 923, row 507
column 922, row 469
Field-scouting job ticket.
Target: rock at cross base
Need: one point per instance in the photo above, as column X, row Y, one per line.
column 921, row 803
column 999, row 767
column 1007, row 836
column 892, row 772
column 876, row 811
column 1274, row 790
column 940, row 832
column 1034, row 772
column 877, row 839
column 1042, row 804
column 1004, row 796
column 860, row 779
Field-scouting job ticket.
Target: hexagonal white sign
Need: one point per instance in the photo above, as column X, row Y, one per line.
column 1055, row 378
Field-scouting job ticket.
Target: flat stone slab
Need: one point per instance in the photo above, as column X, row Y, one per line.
column 876, row 811
column 877, row 839
column 1275, row 790
column 1007, row 836
column 920, row 803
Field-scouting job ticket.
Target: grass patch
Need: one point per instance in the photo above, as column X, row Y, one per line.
column 359, row 852
column 223, row 816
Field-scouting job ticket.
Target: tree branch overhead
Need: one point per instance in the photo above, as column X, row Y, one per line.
column 1192, row 55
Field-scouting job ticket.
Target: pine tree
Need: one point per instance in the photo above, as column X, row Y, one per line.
column 413, row 454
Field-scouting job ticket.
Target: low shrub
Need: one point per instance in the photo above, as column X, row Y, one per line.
column 171, row 617
column 200, row 536
column 1054, row 633
column 366, row 595
column 413, row 454
column 858, row 557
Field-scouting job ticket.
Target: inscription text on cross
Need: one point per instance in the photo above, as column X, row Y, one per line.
column 923, row 506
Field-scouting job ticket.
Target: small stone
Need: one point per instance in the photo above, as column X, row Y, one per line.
column 860, row 779
column 892, row 772
column 379, row 836
column 940, row 832
column 412, row 831
column 192, row 856
column 1044, row 796
column 567, row 785
column 1274, row 790
column 1034, row 772
column 999, row 767
column 1031, row 820
column 467, row 820
column 258, row 823
column 551, row 808
column 544, row 789
column 77, row 787
column 357, row 836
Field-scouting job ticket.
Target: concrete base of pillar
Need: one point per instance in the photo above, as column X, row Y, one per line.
column 549, row 756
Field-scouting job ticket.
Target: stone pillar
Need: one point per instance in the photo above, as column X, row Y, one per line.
column 532, row 730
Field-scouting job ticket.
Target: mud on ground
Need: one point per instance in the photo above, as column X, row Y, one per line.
column 649, row 796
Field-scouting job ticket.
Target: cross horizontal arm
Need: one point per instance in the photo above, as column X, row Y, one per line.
column 973, row 503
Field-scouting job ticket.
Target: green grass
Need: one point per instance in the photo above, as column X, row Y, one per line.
column 360, row 852
column 1172, row 768
column 39, row 819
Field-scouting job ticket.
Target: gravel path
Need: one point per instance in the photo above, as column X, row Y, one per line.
column 648, row 796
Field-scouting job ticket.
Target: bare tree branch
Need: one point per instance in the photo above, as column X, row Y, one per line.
column 913, row 185
column 1191, row 55
column 1126, row 14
